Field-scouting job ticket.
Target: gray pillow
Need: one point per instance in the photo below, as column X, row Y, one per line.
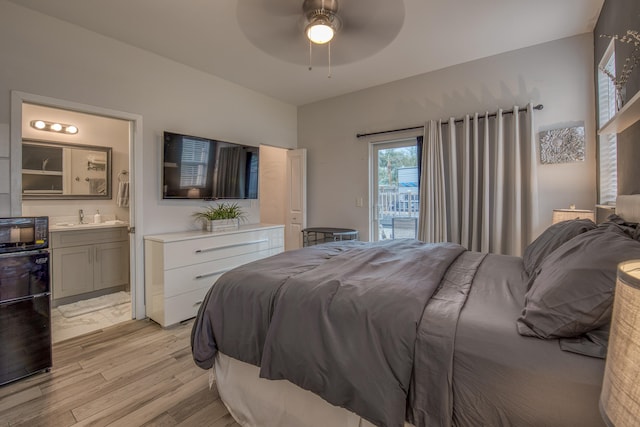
column 551, row 239
column 631, row 228
column 593, row 344
column 573, row 291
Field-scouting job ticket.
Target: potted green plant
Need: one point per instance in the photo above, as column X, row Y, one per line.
column 221, row 217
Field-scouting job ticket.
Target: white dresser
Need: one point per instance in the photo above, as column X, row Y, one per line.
column 181, row 267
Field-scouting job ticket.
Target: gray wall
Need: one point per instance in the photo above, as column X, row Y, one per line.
column 558, row 74
column 48, row 57
column 616, row 17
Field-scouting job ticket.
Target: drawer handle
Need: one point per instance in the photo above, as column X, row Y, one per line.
column 253, row 242
column 202, row 276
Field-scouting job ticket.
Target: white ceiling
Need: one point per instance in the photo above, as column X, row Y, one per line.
column 204, row 34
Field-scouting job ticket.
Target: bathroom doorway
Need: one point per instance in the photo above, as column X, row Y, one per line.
column 95, row 279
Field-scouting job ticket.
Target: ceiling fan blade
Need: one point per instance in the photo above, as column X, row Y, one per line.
column 271, row 7
column 277, row 28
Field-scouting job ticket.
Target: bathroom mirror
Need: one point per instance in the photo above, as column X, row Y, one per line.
column 52, row 170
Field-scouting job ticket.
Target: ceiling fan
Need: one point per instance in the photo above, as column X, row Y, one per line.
column 351, row 30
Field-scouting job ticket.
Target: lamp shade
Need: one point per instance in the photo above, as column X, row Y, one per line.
column 568, row 214
column 620, row 396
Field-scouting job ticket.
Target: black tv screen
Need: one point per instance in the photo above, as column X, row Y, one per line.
column 201, row 168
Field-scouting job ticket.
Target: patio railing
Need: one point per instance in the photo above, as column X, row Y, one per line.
column 397, row 213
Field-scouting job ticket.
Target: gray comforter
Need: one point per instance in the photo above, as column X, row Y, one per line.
column 347, row 322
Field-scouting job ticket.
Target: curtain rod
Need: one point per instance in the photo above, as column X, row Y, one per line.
column 361, row 135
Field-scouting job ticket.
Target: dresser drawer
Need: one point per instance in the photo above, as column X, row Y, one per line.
column 195, row 251
column 183, row 306
column 187, row 279
column 181, row 267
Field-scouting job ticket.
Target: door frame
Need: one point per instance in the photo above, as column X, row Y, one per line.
column 281, row 190
column 136, row 273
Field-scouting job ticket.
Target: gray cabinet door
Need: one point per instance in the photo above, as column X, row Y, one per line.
column 72, row 270
column 112, row 265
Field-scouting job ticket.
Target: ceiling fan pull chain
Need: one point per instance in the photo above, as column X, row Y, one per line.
column 310, row 44
column 329, row 49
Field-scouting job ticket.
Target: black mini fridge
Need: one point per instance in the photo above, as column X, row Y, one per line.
column 25, row 308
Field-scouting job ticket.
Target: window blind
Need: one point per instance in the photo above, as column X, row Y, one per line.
column 607, row 144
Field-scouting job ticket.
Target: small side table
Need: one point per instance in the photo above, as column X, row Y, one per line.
column 560, row 215
column 316, row 235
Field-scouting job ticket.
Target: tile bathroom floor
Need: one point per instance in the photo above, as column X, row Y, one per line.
column 63, row 328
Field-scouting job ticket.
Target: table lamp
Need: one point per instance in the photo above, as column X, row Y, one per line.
column 620, row 396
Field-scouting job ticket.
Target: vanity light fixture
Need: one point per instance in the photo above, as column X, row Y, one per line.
column 54, row 127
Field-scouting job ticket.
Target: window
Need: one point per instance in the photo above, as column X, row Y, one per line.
column 394, row 186
column 607, row 144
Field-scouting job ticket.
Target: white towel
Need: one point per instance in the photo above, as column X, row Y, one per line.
column 123, row 194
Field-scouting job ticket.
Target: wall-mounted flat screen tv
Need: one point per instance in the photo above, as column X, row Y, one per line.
column 201, row 168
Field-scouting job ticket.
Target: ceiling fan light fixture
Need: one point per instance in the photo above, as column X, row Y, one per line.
column 320, row 30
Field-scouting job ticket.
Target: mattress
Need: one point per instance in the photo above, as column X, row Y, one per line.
column 254, row 401
column 503, row 378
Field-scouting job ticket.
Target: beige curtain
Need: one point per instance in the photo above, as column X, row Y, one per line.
column 229, row 175
column 478, row 185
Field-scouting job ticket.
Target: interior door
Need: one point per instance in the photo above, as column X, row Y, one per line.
column 296, row 198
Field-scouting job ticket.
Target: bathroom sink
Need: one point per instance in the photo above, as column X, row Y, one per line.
column 75, row 226
column 113, row 222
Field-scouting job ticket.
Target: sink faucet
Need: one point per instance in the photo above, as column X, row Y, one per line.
column 81, row 213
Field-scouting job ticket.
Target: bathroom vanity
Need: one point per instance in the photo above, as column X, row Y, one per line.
column 88, row 260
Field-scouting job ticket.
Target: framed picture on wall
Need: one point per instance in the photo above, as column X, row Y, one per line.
column 564, row 145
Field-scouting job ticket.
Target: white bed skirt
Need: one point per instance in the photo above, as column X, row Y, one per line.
column 257, row 402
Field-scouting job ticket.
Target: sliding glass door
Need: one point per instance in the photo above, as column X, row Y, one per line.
column 394, row 189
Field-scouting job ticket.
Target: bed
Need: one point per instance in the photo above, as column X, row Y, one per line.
column 423, row 335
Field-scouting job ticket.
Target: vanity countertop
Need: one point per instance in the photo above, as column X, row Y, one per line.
column 67, row 226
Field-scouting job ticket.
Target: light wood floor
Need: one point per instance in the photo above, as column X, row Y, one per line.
column 132, row 374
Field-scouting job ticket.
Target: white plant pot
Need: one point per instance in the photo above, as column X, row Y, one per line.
column 222, row 224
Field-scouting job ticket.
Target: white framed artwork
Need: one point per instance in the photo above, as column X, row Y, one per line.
column 563, row 145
